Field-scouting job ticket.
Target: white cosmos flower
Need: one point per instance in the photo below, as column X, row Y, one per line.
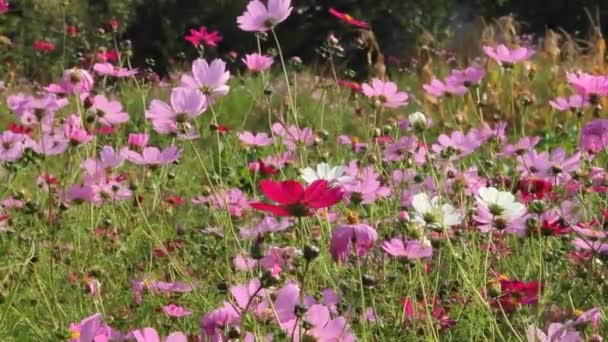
column 417, row 120
column 432, row 212
column 333, row 175
column 501, row 203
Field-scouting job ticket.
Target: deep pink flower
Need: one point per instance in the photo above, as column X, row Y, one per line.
column 4, row 6
column 210, row 79
column 139, row 140
column 208, row 38
column 294, row 200
column 44, row 46
column 107, row 69
column 524, row 144
column 92, row 329
column 256, row 140
column 345, row 17
column 515, row 293
column 507, row 57
column 153, row 155
column 214, row 324
column 366, row 187
column 260, row 18
column 386, row 93
column 186, row 105
column 594, row 136
column 358, row 238
column 412, row 249
column 572, row 103
column 108, row 112
column 176, row 311
column 257, row 63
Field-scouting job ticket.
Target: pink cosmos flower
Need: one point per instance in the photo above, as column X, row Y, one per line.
column 269, row 224
column 594, row 136
column 45, row 46
column 456, row 145
column 468, row 77
column 107, row 69
column 186, row 105
column 92, row 329
column 385, row 92
column 173, row 310
column 257, row 63
column 214, row 324
column 358, row 238
column 80, row 194
column 108, row 112
column 4, row 6
column 234, row 200
column 588, row 85
column 151, row 335
column 366, row 187
column 153, row 155
column 74, row 81
column 154, row 286
column 74, row 131
column 12, row 146
column 507, row 57
column 524, row 144
column 357, row 146
column 412, row 249
column 49, row 144
column 208, row 38
column 33, row 110
column 260, row 18
column 250, row 296
column 210, row 79
column 139, row 140
column 572, row 103
column 280, row 160
column 256, row 140
column 107, row 161
column 450, row 87
column 400, row 149
column 556, row 332
column 545, row 165
column 293, row 137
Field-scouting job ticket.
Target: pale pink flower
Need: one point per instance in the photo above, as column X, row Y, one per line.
column 386, row 93
column 257, row 63
column 108, row 112
column 74, row 81
column 573, row 103
column 173, row 310
column 257, row 140
column 153, row 155
column 210, row 79
column 108, row 69
column 259, row 18
column 186, row 105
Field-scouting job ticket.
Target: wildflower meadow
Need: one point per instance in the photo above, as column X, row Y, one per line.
column 260, row 198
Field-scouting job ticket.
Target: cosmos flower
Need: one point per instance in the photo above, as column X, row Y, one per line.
column 4, row 6
column 506, row 56
column 587, row 85
column 412, row 249
column 151, row 335
column 211, row 79
column 499, row 210
column 594, row 136
column 257, row 63
column 255, row 140
column 358, row 238
column 260, row 18
column 449, row 87
column 294, row 200
column 108, row 112
column 345, row 17
column 208, row 38
column 74, row 81
column 186, row 105
column 153, row 156
column 173, row 310
column 430, row 212
column 108, row 69
column 572, row 103
column 386, row 93
column 44, row 46
column 333, row 175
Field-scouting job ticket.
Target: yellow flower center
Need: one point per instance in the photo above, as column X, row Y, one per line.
column 74, row 335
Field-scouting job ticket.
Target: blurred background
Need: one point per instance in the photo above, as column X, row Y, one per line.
column 153, row 30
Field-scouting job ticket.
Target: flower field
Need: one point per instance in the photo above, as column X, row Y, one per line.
column 266, row 200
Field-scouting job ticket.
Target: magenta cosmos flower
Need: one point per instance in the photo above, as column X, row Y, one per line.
column 210, row 79
column 186, row 104
column 259, row 18
column 469, row 77
column 209, row 38
column 3, row 6
column 507, row 57
column 594, row 136
column 257, row 63
column 386, row 93
column 588, row 85
column 572, row 103
column 151, row 335
column 173, row 310
column 450, row 87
